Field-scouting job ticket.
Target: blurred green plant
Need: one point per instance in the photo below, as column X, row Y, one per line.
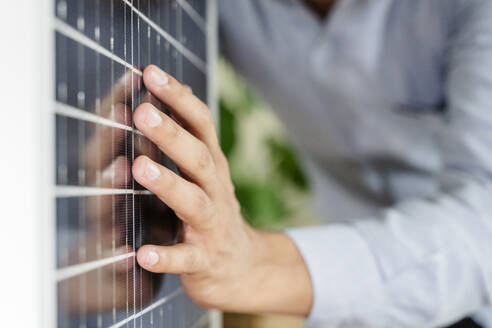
column 228, row 128
column 260, row 204
column 263, row 201
column 285, row 163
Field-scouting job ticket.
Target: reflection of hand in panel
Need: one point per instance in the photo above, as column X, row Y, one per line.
column 107, row 161
column 106, row 142
column 111, row 221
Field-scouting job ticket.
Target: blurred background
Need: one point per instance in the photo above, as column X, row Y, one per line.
column 270, row 182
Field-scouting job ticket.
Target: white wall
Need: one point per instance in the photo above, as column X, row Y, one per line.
column 24, row 40
column 25, row 93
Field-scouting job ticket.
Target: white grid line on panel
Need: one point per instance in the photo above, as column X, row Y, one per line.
column 194, row 59
column 78, row 269
column 77, row 113
column 149, row 308
column 199, row 21
column 75, row 35
column 79, row 191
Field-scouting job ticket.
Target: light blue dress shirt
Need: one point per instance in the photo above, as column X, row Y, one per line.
column 390, row 104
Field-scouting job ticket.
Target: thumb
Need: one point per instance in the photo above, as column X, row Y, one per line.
column 177, row 259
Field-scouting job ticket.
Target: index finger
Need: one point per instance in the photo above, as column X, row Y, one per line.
column 185, row 105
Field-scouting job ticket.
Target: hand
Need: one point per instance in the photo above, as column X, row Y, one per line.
column 223, row 262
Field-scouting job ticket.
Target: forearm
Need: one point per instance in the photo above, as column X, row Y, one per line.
column 282, row 281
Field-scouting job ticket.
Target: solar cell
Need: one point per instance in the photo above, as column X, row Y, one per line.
column 102, row 215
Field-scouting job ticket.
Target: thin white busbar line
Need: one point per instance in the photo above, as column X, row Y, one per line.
column 77, row 113
column 194, row 59
column 151, row 307
column 75, row 35
column 81, row 191
column 194, row 15
column 78, row 269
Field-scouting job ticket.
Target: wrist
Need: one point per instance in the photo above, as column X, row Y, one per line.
column 281, row 281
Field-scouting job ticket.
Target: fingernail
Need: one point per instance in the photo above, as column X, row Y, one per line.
column 151, row 258
column 152, row 172
column 153, row 118
column 158, row 77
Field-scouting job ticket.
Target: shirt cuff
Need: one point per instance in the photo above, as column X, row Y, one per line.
column 342, row 268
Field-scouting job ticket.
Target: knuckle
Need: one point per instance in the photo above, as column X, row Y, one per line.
column 204, row 120
column 203, row 158
column 192, row 262
column 171, row 181
column 170, row 130
column 203, row 211
column 222, row 160
column 181, row 92
column 201, row 203
column 188, row 88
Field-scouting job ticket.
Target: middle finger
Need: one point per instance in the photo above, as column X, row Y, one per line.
column 190, row 154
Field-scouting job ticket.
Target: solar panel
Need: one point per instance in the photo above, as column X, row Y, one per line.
column 102, row 215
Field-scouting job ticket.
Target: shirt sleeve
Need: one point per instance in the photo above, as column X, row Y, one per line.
column 424, row 262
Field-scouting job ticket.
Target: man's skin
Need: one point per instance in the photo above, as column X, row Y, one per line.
column 223, row 262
